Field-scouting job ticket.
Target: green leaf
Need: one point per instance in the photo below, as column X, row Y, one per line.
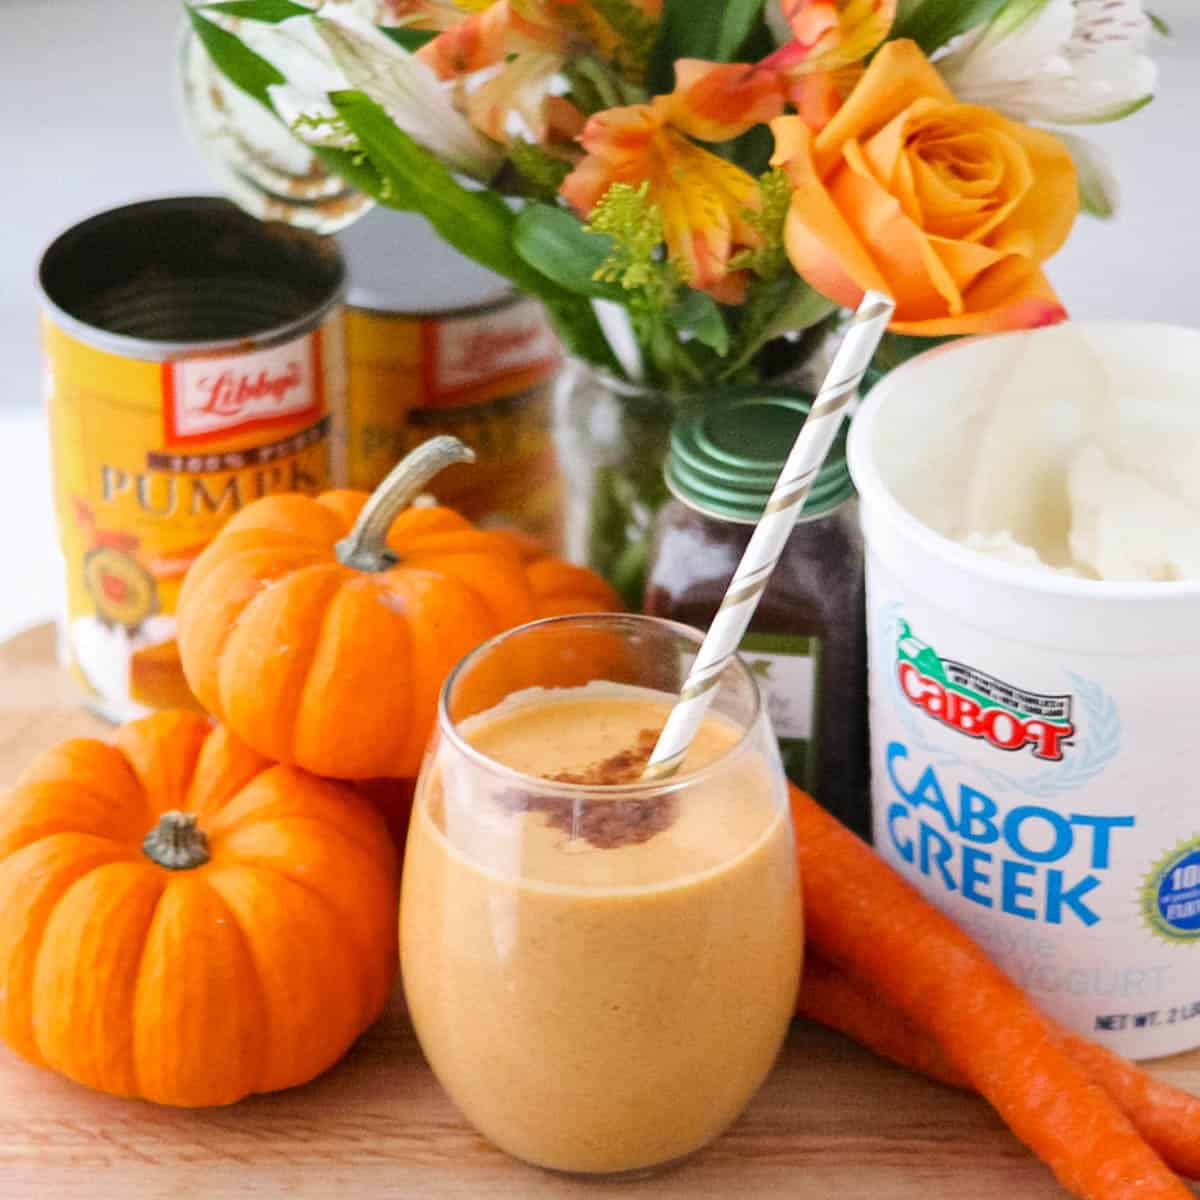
column 932, row 23
column 410, row 39
column 1158, row 24
column 774, row 307
column 247, row 70
column 584, row 92
column 269, row 11
column 351, row 166
column 477, row 223
column 739, row 19
column 697, row 313
column 272, row 12
column 751, row 151
column 710, row 29
column 637, row 32
column 556, row 244
column 541, row 173
column 1014, row 14
column 897, row 348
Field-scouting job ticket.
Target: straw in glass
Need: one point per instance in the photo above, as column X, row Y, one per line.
column 766, row 543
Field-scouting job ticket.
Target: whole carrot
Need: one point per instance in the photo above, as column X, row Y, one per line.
column 830, row 997
column 1167, row 1117
column 868, row 921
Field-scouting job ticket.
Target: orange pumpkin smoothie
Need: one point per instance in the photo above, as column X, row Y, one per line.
column 600, row 980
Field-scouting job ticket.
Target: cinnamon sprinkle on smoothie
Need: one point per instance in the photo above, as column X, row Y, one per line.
column 605, row 824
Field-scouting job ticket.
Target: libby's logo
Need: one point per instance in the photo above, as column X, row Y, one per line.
column 978, row 705
column 468, row 351
column 204, row 397
column 231, row 393
column 490, row 350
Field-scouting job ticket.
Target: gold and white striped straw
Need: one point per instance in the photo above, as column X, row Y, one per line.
column 772, row 531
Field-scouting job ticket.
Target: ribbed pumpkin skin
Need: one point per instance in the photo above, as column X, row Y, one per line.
column 328, row 668
column 560, row 588
column 252, row 972
column 336, row 670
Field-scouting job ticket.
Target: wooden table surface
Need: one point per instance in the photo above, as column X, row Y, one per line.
column 831, row 1122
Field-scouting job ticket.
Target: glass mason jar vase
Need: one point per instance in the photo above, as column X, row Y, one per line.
column 255, row 160
column 806, row 643
column 613, row 439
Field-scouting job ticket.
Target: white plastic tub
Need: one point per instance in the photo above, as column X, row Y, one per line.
column 1035, row 738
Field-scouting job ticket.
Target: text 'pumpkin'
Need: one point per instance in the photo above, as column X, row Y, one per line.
column 183, row 921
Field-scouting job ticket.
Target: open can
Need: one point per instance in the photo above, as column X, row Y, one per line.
column 193, row 359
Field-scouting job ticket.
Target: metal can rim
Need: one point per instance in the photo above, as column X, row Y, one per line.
column 357, row 302
column 152, row 350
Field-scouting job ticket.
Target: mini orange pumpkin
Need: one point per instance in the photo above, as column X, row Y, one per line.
column 320, row 631
column 182, row 921
column 560, row 588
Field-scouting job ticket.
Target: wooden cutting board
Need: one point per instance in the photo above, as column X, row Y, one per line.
column 832, row 1121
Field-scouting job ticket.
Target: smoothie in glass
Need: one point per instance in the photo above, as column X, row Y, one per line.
column 601, row 972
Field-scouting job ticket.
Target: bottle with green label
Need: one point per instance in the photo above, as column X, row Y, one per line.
column 807, row 642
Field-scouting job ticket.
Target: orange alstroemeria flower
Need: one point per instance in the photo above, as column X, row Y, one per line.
column 830, row 34
column 529, row 42
column 428, row 14
column 813, row 72
column 718, row 101
column 822, row 64
column 948, row 207
column 702, row 199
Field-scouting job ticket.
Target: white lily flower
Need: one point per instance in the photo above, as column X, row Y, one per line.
column 340, row 48
column 1056, row 61
column 413, row 96
column 256, row 161
column 1098, row 190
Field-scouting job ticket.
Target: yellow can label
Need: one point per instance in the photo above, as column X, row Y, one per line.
column 486, row 377
column 149, row 460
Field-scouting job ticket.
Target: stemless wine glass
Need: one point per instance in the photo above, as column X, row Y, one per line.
column 600, row 970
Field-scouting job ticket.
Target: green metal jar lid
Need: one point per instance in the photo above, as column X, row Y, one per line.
column 725, row 457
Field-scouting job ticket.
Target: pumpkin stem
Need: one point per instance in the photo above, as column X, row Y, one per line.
column 365, row 547
column 176, row 843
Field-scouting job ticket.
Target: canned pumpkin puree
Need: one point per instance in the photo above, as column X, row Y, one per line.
column 193, row 362
column 437, row 344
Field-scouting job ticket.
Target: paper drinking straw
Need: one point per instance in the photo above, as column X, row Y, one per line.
column 766, row 543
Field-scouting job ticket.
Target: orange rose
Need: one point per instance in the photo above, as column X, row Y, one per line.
column 950, row 208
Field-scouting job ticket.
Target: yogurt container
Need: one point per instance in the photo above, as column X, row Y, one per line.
column 1034, row 734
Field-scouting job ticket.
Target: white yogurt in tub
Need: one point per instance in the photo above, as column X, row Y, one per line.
column 1035, row 728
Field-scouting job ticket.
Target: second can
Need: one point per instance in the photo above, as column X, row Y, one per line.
column 436, row 344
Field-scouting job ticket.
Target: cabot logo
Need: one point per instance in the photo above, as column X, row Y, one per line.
column 206, row 396
column 979, row 705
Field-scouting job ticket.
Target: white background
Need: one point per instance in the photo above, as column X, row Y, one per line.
column 89, row 120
